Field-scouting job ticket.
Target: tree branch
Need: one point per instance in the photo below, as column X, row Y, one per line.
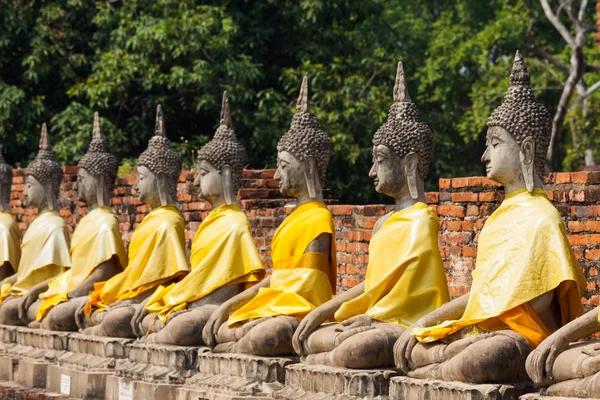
column 591, row 89
column 582, row 7
column 564, row 32
column 539, row 52
column 592, row 68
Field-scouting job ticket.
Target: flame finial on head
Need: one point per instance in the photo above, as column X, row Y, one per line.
column 44, row 142
column 159, row 129
column 96, row 133
column 400, row 89
column 302, row 104
column 225, row 112
column 519, row 74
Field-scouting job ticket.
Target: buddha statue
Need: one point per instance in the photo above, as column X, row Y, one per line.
column 10, row 240
column 265, row 316
column 405, row 278
column 97, row 250
column 156, row 251
column 45, row 245
column 224, row 258
column 526, row 283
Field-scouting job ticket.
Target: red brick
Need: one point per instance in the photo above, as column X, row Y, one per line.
column 584, row 226
column 584, row 240
column 340, row 210
column 460, row 182
column 432, row 197
column 472, row 211
column 592, row 254
column 445, row 183
column 585, row 211
column 451, row 211
column 469, row 251
column 486, row 197
column 464, row 197
column 562, row 178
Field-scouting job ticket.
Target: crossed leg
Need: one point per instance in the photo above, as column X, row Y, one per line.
column 184, row 329
column 114, row 323
column 269, row 337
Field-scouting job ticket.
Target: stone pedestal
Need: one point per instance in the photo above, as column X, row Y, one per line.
column 34, row 351
column 304, row 381
column 81, row 371
column 404, row 388
column 235, row 376
column 153, row 371
column 537, row 396
column 8, row 339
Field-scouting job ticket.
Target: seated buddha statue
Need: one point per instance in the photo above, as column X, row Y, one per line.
column 405, row 278
column 45, row 245
column 262, row 319
column 157, row 247
column 97, row 250
column 526, row 283
column 224, row 258
column 10, row 240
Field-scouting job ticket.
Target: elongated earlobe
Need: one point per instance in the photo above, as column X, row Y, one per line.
column 411, row 169
column 226, row 181
column 527, row 156
column 309, row 176
column 100, row 190
column 162, row 189
column 49, row 195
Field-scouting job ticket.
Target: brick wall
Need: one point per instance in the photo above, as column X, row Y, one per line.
column 463, row 205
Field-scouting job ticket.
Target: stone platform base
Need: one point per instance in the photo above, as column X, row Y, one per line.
column 315, row 381
column 404, row 388
column 120, row 388
column 235, row 376
column 537, row 396
column 12, row 390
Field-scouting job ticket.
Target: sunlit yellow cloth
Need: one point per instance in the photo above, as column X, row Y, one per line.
column 96, row 239
column 223, row 252
column 10, row 245
column 156, row 255
column 523, row 253
column 44, row 252
column 405, row 276
column 300, row 281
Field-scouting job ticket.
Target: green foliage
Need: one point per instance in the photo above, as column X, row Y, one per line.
column 60, row 60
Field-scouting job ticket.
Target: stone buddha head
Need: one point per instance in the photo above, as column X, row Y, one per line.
column 221, row 162
column 97, row 170
column 43, row 177
column 303, row 153
column 402, row 148
column 158, row 168
column 518, row 135
column 6, row 176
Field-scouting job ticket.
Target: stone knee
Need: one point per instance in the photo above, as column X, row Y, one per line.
column 117, row 323
column 500, row 358
column 370, row 349
column 9, row 312
column 61, row 318
column 273, row 337
column 33, row 310
column 151, row 323
column 185, row 330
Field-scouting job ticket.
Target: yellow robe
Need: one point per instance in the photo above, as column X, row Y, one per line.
column 10, row 246
column 44, row 252
column 96, row 239
column 523, row 253
column 156, row 255
column 223, row 253
column 300, row 281
column 405, row 276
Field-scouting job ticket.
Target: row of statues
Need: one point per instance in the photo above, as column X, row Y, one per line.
column 523, row 310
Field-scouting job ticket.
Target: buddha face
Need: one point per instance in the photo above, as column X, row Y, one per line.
column 35, row 192
column 209, row 181
column 290, row 174
column 386, row 171
column 86, row 187
column 502, row 156
column 146, row 186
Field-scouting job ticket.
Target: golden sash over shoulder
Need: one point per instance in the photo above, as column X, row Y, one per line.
column 10, row 246
column 96, row 239
column 223, row 253
column 156, row 255
column 301, row 281
column 523, row 253
column 44, row 252
column 405, row 277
